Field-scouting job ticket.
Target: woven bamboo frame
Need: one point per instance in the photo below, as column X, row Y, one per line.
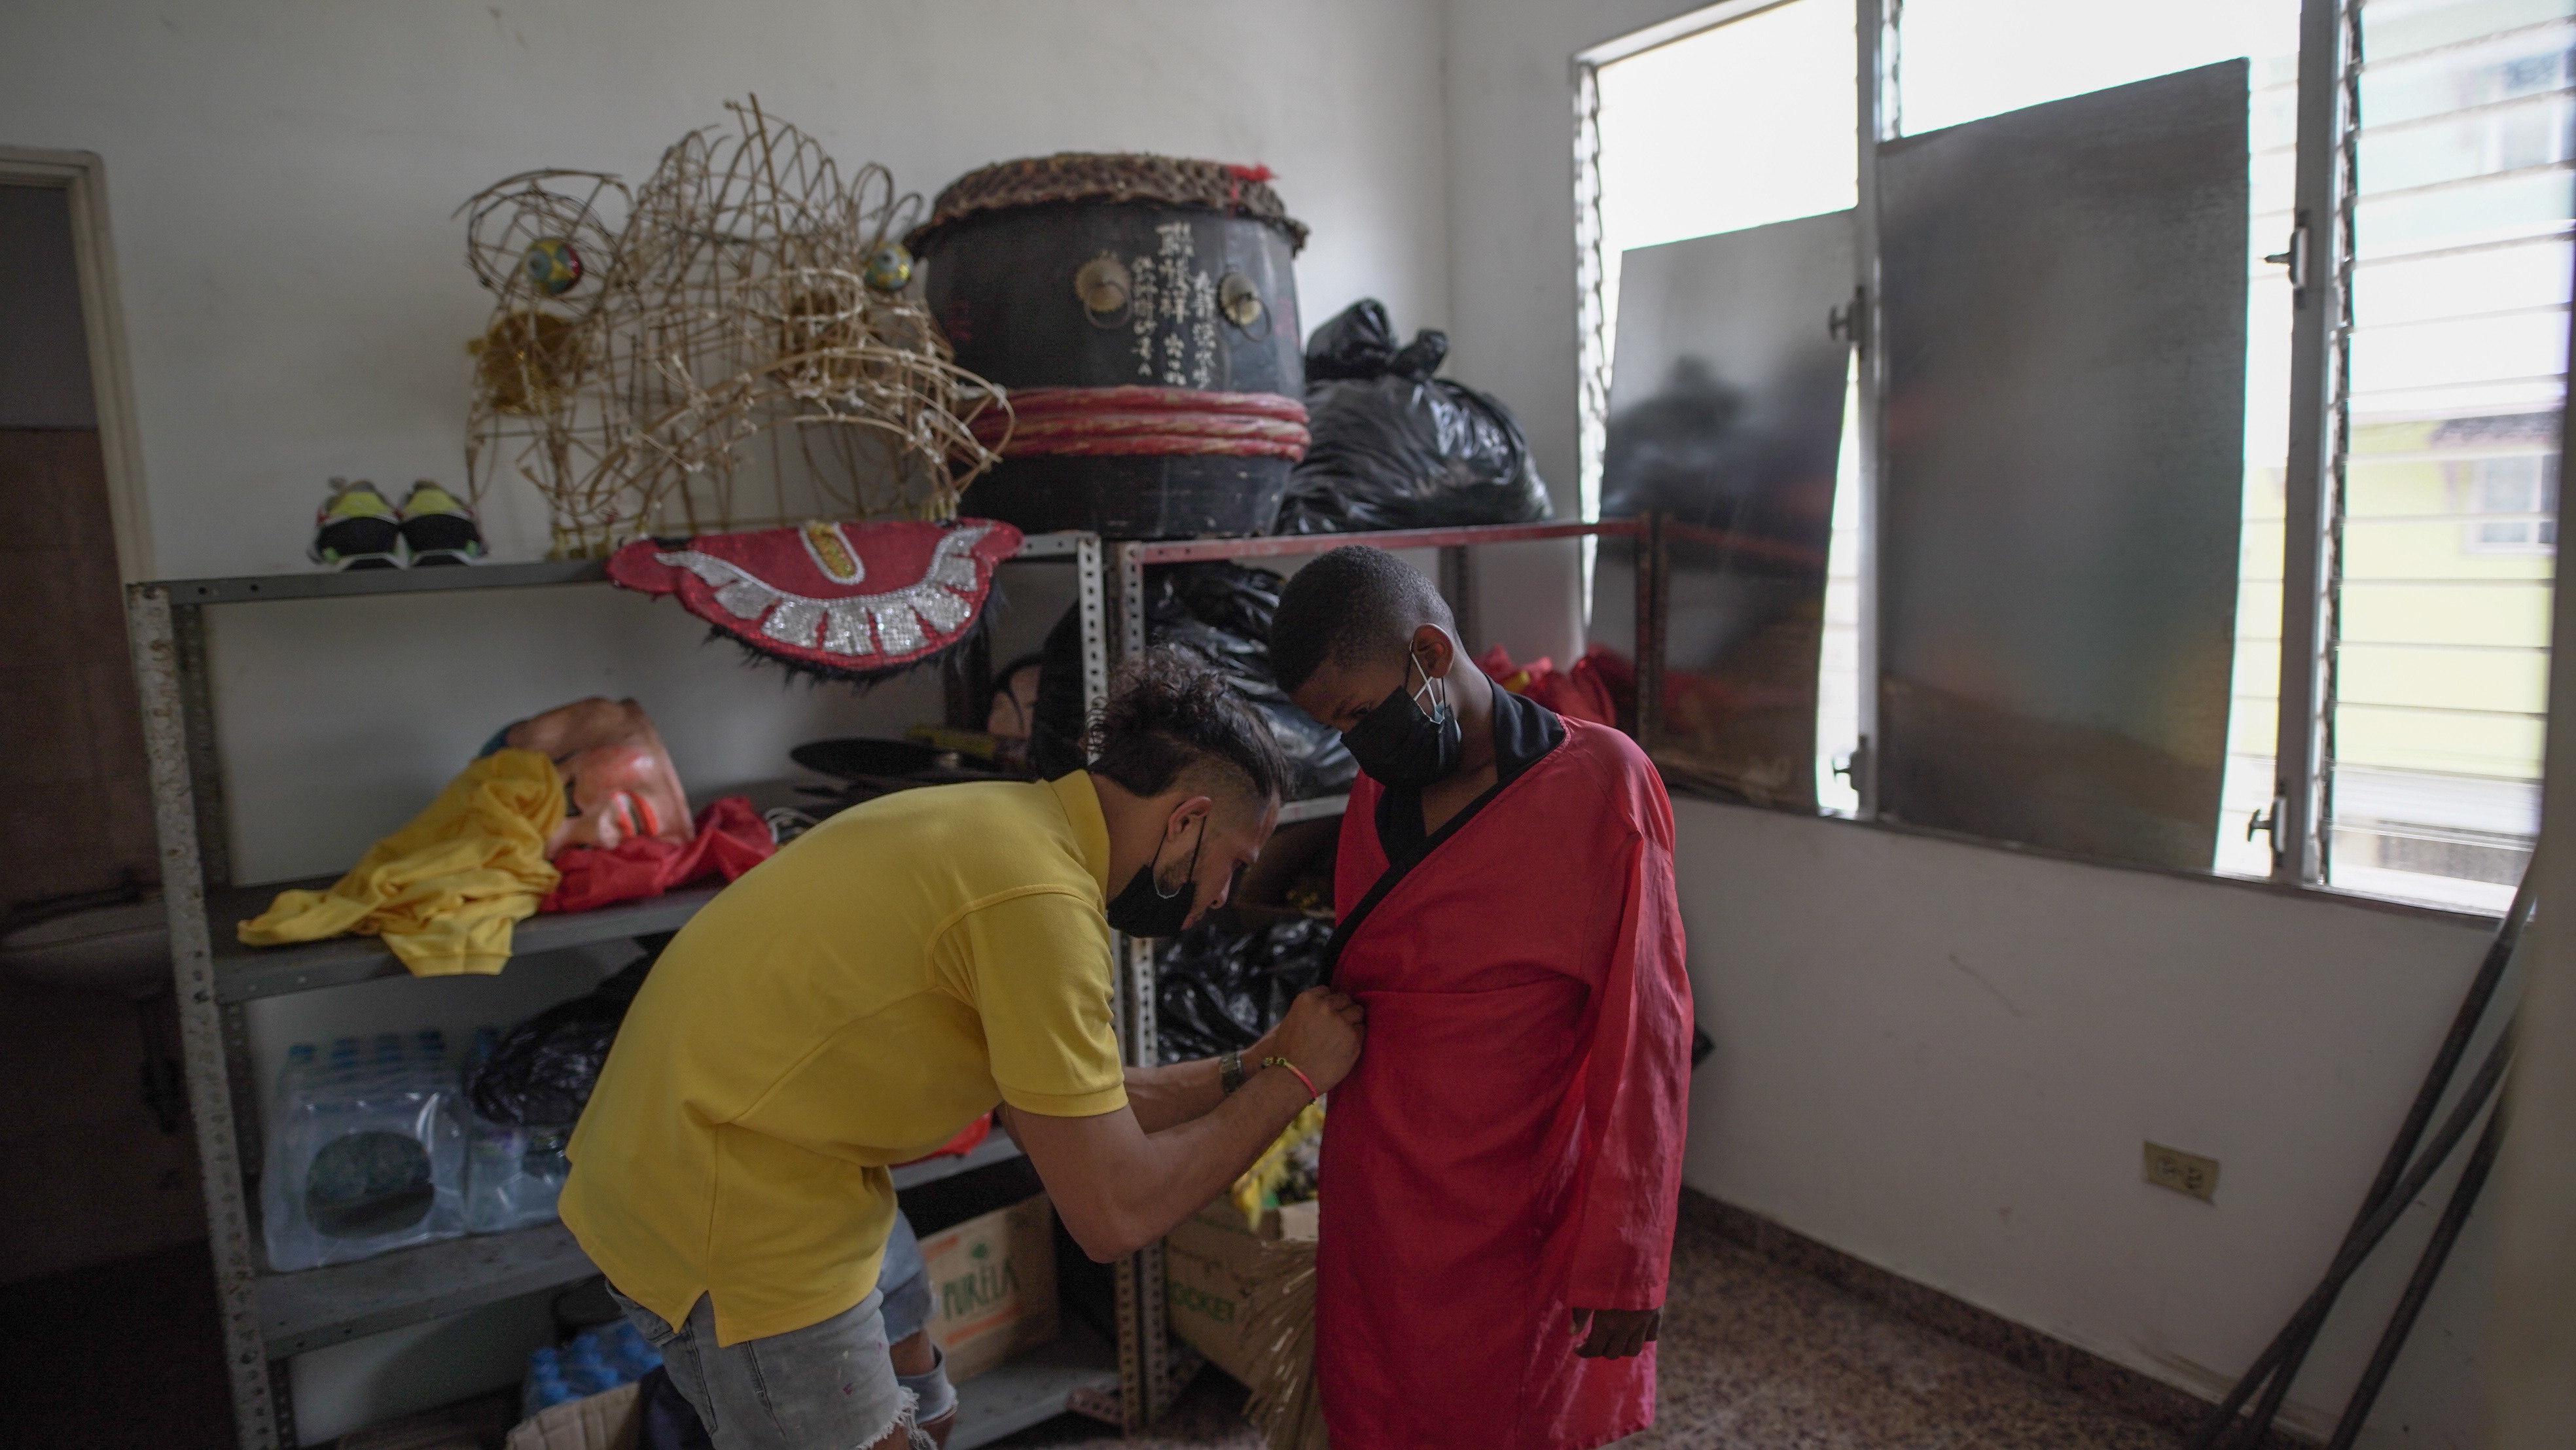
column 744, row 346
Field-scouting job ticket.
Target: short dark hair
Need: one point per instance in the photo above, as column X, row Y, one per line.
column 1170, row 710
column 1351, row 605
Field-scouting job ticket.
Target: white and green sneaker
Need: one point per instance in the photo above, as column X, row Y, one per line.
column 439, row 528
column 356, row 529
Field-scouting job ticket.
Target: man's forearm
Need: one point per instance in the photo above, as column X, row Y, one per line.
column 1118, row 1190
column 1201, row 1158
column 1166, row 1097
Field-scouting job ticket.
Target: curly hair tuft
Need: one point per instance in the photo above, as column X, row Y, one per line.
column 1170, row 708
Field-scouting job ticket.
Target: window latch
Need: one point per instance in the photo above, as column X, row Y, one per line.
column 1850, row 322
column 2296, row 258
column 2263, row 819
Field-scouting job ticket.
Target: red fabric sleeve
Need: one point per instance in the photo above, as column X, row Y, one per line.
column 1636, row 1088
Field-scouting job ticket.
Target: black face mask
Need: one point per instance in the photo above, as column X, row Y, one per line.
column 1397, row 744
column 1143, row 909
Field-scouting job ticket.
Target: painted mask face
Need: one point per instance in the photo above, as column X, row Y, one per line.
column 619, row 783
column 615, row 793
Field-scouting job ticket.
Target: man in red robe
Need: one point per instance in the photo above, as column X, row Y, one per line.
column 1501, row 1171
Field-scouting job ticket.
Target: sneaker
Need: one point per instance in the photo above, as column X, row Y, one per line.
column 356, row 529
column 439, row 529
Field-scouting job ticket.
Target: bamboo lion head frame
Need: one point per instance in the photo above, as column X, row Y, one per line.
column 741, row 341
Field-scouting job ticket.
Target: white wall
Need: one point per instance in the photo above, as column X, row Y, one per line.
column 1510, row 100
column 1943, row 1059
column 282, row 173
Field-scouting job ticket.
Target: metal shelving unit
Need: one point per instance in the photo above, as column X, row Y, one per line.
column 305, row 1311
column 268, row 1317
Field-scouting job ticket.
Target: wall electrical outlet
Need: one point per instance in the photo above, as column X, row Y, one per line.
column 2182, row 1172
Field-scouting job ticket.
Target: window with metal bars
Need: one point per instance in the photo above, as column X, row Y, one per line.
column 2411, row 569
column 2460, row 127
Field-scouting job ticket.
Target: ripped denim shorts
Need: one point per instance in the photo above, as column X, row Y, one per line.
column 827, row 1386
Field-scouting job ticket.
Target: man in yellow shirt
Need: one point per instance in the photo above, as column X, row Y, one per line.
column 856, row 1000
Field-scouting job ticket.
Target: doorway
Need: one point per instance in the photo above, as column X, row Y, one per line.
column 93, row 1124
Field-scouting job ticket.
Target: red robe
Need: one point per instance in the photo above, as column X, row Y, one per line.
column 1510, row 1144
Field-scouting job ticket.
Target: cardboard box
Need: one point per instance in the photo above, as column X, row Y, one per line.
column 1297, row 1222
column 470, row 1424
column 1210, row 1264
column 992, row 1286
column 609, row 1420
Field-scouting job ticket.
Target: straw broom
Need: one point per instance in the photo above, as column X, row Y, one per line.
column 1279, row 1315
column 1279, row 1329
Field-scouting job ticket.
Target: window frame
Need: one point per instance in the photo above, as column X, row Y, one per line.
column 2319, row 255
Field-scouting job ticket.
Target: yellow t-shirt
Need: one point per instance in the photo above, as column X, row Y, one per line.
column 851, row 1003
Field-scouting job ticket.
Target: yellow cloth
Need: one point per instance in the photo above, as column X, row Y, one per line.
column 445, row 890
column 851, row 1003
column 1251, row 1192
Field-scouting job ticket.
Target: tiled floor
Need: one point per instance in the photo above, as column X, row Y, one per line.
column 1757, row 1357
column 1754, row 1357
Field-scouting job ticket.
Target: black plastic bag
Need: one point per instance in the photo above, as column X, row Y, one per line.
column 1216, row 988
column 1222, row 610
column 543, row 1070
column 1396, row 448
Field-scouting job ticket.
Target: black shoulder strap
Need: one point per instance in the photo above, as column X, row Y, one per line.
column 1352, row 920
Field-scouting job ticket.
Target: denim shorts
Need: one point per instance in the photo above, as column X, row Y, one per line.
column 905, row 1280
column 827, row 1386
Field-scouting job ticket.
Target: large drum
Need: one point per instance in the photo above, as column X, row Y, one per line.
column 1142, row 312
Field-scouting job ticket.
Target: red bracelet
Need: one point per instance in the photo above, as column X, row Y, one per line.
column 1309, row 1082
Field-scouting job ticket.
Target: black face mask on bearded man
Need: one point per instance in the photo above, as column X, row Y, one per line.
column 619, row 783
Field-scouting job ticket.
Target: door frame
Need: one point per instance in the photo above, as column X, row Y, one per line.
column 83, row 175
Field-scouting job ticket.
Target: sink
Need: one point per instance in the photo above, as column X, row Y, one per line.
column 122, row 948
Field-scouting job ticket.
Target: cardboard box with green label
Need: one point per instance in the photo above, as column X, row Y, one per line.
column 1210, row 1265
column 992, row 1286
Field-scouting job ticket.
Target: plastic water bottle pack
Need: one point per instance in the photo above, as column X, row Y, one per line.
column 366, row 1152
column 595, row 1360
